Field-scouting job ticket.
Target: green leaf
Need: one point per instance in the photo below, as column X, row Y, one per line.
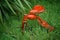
column 21, row 5
column 10, row 6
column 1, row 16
column 4, row 13
column 28, row 4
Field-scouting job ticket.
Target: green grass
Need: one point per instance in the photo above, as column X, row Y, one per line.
column 12, row 31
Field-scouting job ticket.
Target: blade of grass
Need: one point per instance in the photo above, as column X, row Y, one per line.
column 21, row 5
column 5, row 14
column 27, row 4
column 1, row 16
column 10, row 6
column 20, row 8
column 16, row 6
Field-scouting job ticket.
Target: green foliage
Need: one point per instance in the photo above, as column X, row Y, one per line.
column 12, row 12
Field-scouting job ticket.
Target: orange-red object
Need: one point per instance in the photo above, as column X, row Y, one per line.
column 37, row 9
column 32, row 16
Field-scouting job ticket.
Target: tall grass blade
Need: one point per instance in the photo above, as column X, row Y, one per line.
column 27, row 4
column 10, row 6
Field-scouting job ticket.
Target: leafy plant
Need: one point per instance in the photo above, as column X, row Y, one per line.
column 11, row 15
